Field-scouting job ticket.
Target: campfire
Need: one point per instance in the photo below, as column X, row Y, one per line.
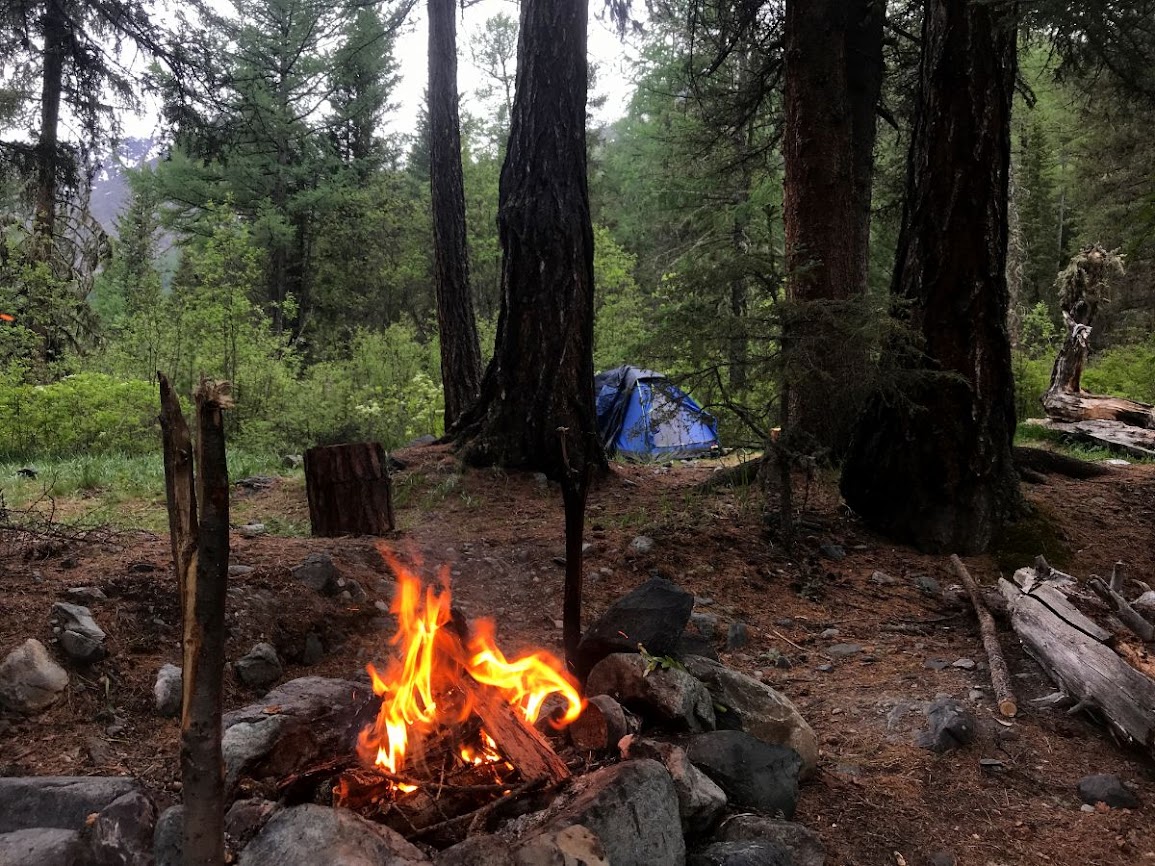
column 457, row 728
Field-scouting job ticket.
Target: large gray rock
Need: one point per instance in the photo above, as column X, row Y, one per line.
column 804, row 845
column 166, row 839
column 245, row 818
column 80, row 637
column 668, row 696
column 1106, row 788
column 168, row 690
column 293, row 726
column 63, row 802
column 749, row 853
column 30, row 680
column 43, row 846
column 950, row 725
column 653, row 615
column 122, row 833
column 318, row 573
column 757, row 709
column 260, row 667
column 309, row 835
column 754, row 774
column 700, row 800
column 633, row 810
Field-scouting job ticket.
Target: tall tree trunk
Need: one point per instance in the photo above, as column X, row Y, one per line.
column 935, row 468
column 460, row 353
column 536, row 409
column 55, row 22
column 833, row 73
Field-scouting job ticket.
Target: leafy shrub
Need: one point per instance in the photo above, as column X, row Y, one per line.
column 88, row 413
column 1032, row 376
column 1123, row 371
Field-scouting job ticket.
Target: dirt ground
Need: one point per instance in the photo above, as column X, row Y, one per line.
column 877, row 799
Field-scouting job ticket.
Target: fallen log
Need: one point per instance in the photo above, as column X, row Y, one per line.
column 1000, row 676
column 1115, row 435
column 1052, row 463
column 1072, row 406
column 1081, row 664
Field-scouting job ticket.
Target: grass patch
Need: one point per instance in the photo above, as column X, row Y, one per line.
column 126, row 491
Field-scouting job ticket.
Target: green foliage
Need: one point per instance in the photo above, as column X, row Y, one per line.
column 1038, row 337
column 1032, row 377
column 1123, row 371
column 86, row 413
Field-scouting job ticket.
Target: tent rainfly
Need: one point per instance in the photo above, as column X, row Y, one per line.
column 643, row 416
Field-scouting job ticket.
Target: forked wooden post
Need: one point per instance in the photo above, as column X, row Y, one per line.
column 201, row 558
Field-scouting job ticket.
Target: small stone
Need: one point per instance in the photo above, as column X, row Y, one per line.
column 927, row 584
column 80, row 637
column 754, row 774
column 1086, row 807
column 942, row 858
column 253, row 530
column 737, row 636
column 318, row 573
column 832, row 551
column 168, row 690
column 642, row 545
column 349, row 589
column 30, row 680
column 240, row 570
column 705, row 623
column 260, row 668
column 541, row 479
column 1145, row 603
column 1106, row 788
column 86, row 594
column 975, row 695
column 964, row 664
column 883, row 579
column 843, row 650
column 830, row 634
column 825, row 669
column 951, row 726
column 314, row 650
column 936, row 664
column 785, row 622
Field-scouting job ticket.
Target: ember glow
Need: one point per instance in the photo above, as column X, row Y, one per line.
column 420, row 690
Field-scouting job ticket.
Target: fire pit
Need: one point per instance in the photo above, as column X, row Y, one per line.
column 455, row 732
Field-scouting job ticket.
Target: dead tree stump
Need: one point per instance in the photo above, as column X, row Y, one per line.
column 348, row 489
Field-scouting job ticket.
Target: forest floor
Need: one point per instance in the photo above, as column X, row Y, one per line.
column 877, row 798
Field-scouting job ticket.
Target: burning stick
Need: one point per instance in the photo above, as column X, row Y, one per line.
column 526, row 749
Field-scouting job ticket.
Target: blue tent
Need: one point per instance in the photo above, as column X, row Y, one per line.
column 644, row 416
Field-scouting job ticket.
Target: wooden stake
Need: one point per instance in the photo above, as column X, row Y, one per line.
column 526, row 749
column 203, row 602
column 1000, row 676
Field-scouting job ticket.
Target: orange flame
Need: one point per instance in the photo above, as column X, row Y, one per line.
column 432, row 659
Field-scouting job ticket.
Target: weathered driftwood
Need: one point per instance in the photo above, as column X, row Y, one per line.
column 1082, row 665
column 1072, row 406
column 1131, row 440
column 348, row 489
column 1067, row 373
column 1123, row 610
column 1000, row 676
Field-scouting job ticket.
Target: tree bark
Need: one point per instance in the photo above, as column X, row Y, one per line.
column 179, row 483
column 55, row 25
column 348, row 490
column 536, row 409
column 833, row 78
column 934, row 467
column 202, row 767
column 460, row 353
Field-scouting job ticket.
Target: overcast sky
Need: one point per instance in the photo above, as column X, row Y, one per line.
column 612, row 56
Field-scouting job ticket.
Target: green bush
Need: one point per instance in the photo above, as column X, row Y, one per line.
column 88, row 413
column 1123, row 371
column 1032, row 376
